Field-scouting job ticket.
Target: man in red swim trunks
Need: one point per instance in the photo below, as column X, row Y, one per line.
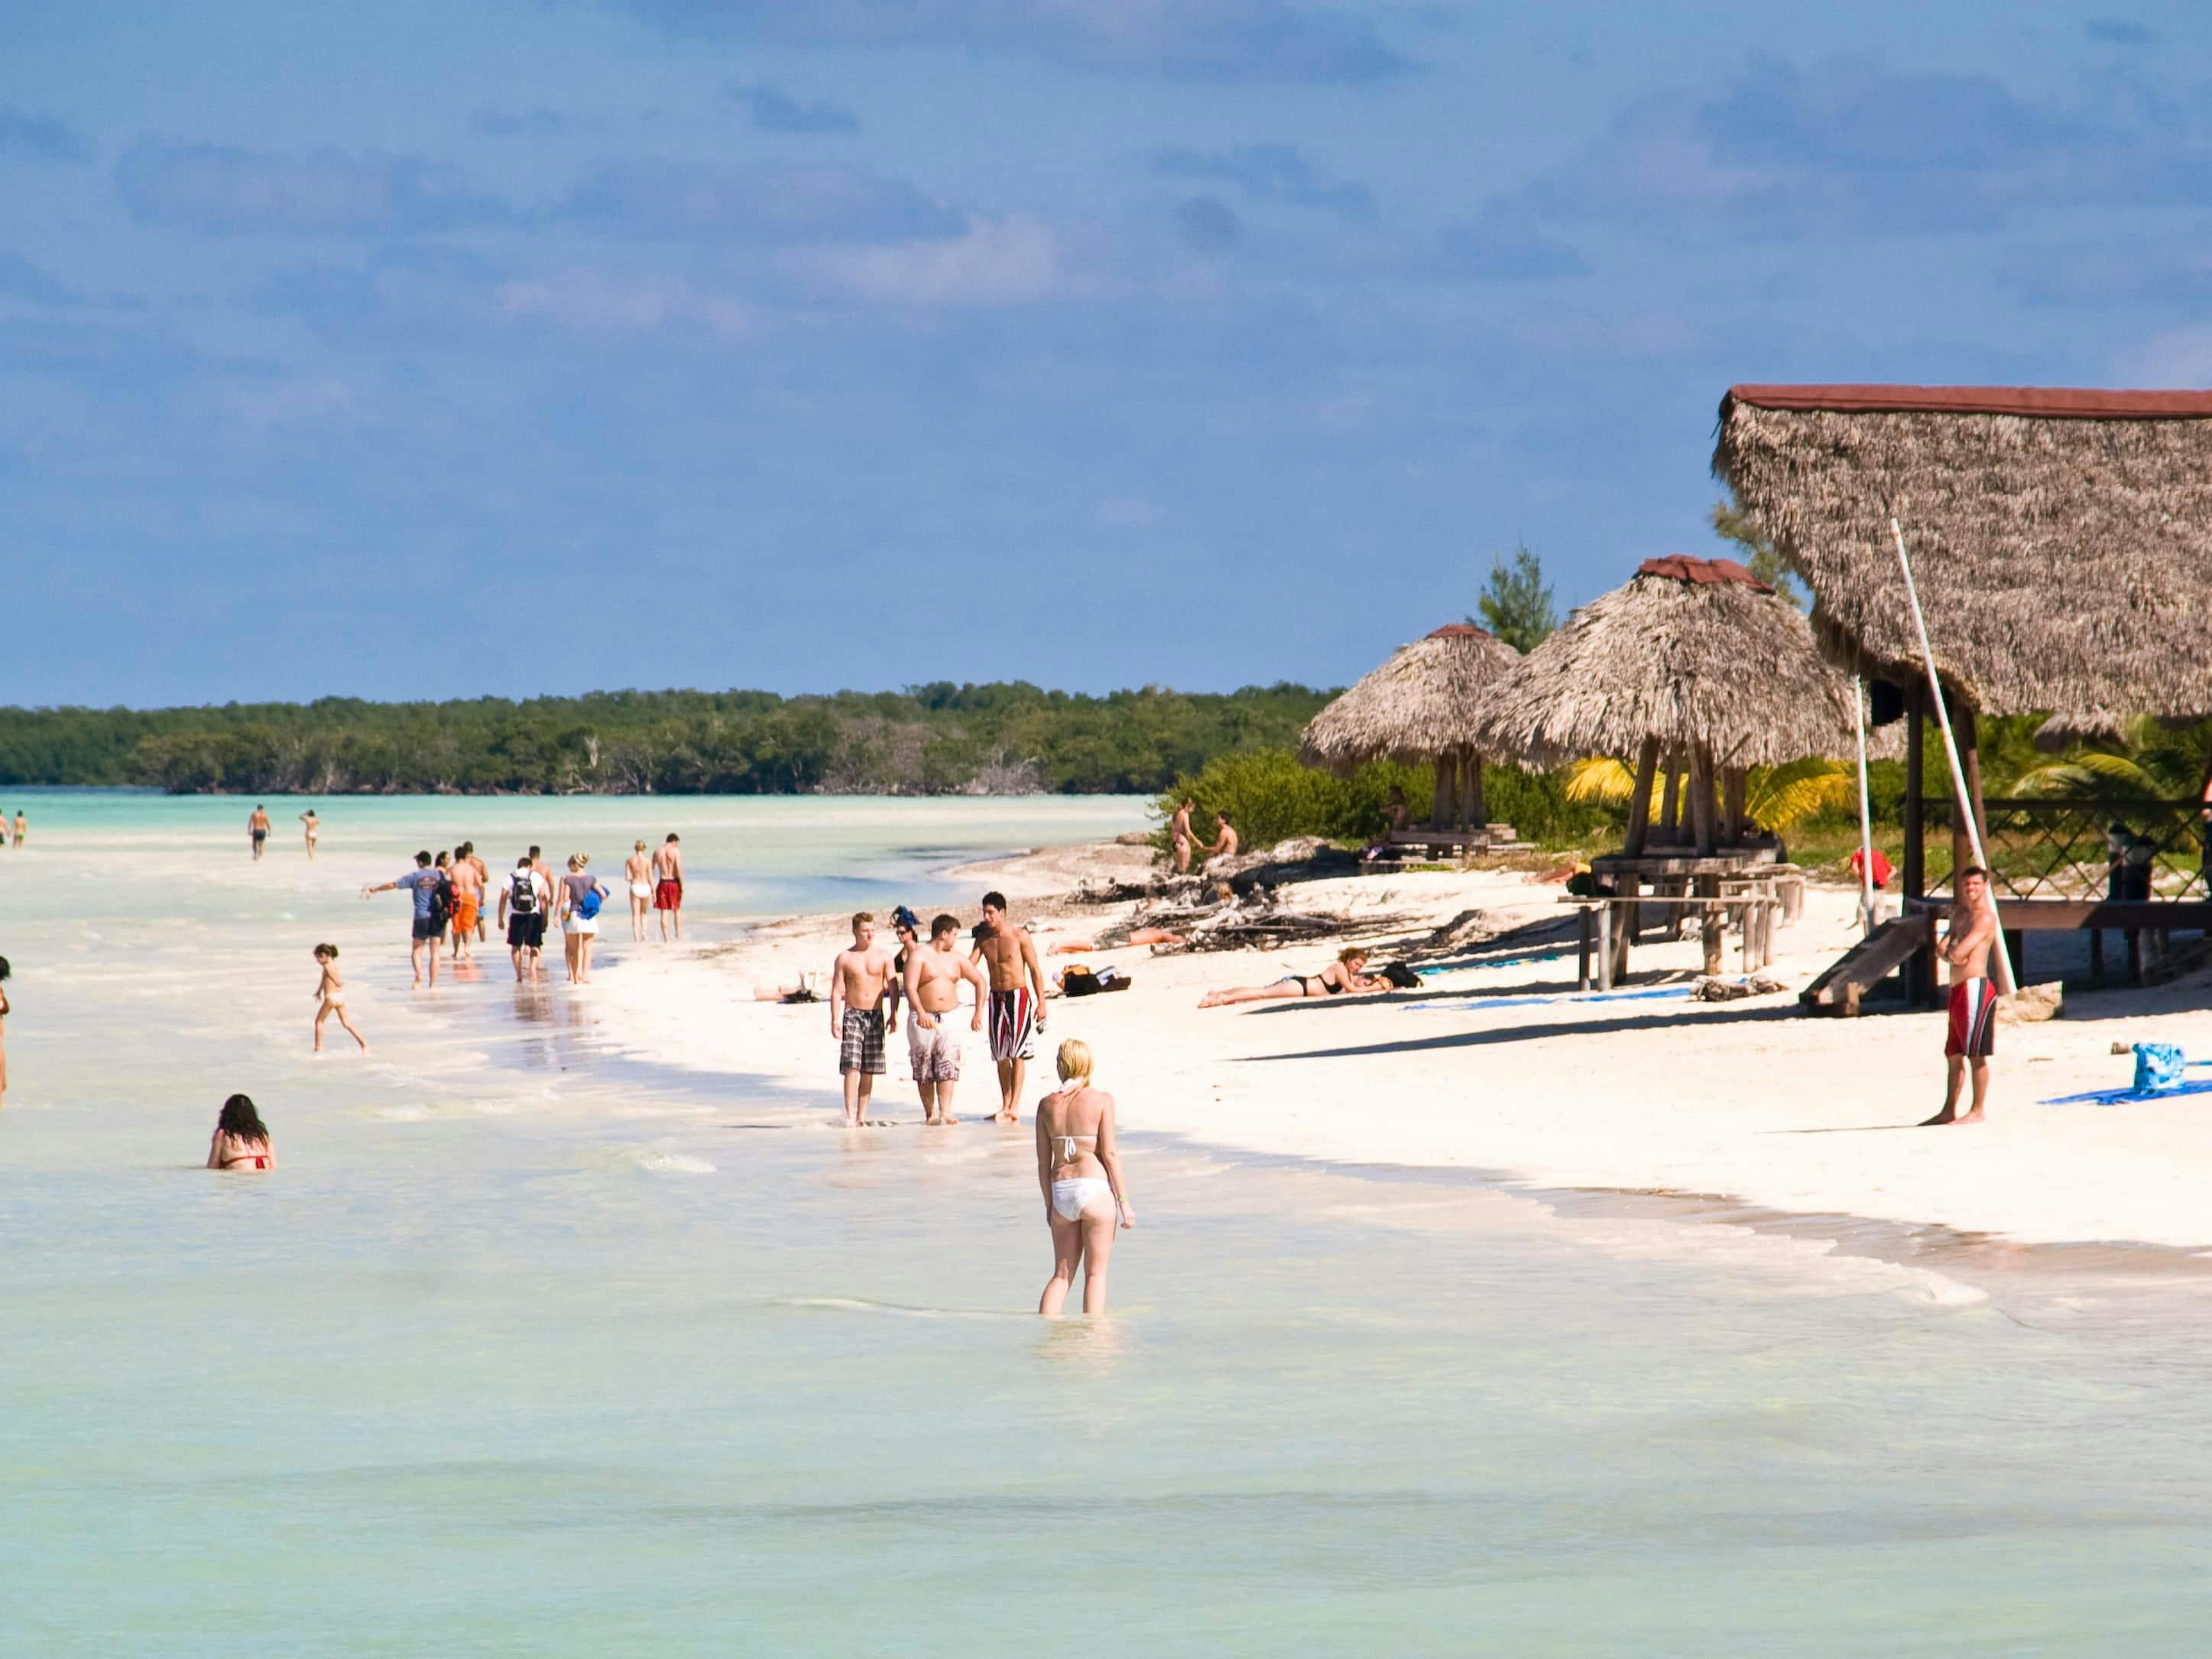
column 1971, row 1032
column 668, row 887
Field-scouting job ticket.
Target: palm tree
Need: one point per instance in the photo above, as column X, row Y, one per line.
column 1776, row 797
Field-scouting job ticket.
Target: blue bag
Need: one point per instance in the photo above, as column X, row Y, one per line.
column 2159, row 1067
column 588, row 906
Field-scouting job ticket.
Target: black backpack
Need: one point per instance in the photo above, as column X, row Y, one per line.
column 522, row 893
column 441, row 899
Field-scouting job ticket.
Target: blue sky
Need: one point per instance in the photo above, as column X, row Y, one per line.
column 422, row 350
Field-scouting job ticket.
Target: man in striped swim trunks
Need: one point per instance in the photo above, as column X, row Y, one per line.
column 1017, row 1011
column 857, row 982
column 1970, row 1036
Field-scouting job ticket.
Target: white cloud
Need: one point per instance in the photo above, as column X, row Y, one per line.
column 1011, row 261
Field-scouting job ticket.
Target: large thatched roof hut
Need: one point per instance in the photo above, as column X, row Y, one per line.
column 2060, row 540
column 1419, row 706
column 1691, row 661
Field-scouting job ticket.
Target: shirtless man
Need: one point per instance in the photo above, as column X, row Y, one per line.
column 933, row 974
column 857, row 981
column 1017, row 999
column 1180, row 836
column 668, row 886
column 1226, row 846
column 468, row 850
column 22, row 827
column 1970, row 1034
column 256, row 827
column 468, row 902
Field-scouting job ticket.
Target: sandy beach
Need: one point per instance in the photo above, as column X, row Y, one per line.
column 1506, row 1071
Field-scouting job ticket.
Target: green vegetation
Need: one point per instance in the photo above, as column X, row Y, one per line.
column 928, row 739
column 1756, row 548
column 1516, row 603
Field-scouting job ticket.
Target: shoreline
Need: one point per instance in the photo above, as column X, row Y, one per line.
column 1644, row 1098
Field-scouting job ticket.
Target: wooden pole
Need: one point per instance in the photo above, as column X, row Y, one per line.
column 1865, row 816
column 1701, row 798
column 1670, row 809
column 1959, row 792
column 1440, row 809
column 1478, row 814
column 1639, row 804
column 1734, row 790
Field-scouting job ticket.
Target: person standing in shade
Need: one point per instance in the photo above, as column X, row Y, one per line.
column 257, row 830
column 523, row 902
column 425, row 882
column 668, row 886
column 1080, row 1174
column 1970, row 1033
column 1009, row 956
column 637, row 871
column 314, row 826
column 858, row 980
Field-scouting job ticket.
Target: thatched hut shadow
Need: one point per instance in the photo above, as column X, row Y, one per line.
column 1502, row 1036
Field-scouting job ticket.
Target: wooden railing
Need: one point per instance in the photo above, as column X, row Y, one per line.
column 2060, row 848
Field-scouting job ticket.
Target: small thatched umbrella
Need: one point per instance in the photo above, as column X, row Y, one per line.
column 1419, row 706
column 1693, row 659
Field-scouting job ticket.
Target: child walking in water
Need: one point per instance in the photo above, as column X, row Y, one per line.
column 331, row 990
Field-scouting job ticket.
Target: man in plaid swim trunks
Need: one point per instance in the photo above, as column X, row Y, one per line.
column 857, row 981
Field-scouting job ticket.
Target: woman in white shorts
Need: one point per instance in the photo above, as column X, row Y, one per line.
column 1079, row 1172
column 638, row 872
column 581, row 895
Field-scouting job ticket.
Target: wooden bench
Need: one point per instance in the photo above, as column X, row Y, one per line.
column 1598, row 931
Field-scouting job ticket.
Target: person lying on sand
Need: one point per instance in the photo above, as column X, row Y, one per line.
column 1137, row 936
column 1339, row 977
column 794, row 991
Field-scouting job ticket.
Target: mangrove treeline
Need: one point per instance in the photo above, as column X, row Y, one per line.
column 928, row 739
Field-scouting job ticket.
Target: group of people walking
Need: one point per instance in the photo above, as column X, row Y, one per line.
column 449, row 889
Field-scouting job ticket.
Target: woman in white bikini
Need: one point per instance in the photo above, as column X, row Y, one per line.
column 241, row 1139
column 1340, row 978
column 1079, row 1172
column 315, row 828
column 639, row 873
column 331, row 990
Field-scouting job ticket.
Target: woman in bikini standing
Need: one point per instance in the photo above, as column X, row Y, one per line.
column 241, row 1139
column 1079, row 1173
column 331, row 990
column 638, row 871
column 1337, row 979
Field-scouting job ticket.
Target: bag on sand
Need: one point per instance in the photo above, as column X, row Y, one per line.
column 1401, row 975
column 2158, row 1066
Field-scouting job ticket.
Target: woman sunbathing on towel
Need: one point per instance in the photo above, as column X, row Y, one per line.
column 1339, row 977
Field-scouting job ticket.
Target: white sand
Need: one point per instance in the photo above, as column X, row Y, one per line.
column 1750, row 1100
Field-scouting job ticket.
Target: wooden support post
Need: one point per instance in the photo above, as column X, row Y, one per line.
column 1440, row 810
column 1478, row 813
column 1710, row 936
column 1734, row 787
column 1639, row 804
column 1624, row 931
column 2016, row 941
column 1604, row 946
column 2097, row 952
column 1701, row 798
column 1586, row 933
column 1670, row 808
column 1920, row 969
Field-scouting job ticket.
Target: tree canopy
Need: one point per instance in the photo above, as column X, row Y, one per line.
column 1516, row 603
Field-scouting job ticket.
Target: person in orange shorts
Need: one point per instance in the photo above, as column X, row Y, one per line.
column 468, row 902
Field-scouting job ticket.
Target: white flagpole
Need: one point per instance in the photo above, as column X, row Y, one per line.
column 1964, row 801
column 1866, row 818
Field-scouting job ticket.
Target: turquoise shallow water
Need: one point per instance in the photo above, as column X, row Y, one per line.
column 528, row 1349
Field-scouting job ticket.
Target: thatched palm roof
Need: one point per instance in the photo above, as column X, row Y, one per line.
column 1418, row 705
column 1689, row 652
column 2062, row 541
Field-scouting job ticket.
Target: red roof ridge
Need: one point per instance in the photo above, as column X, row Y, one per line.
column 1460, row 630
column 1704, row 573
column 2055, row 403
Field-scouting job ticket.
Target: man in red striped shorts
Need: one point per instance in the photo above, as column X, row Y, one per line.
column 1970, row 1034
column 1017, row 999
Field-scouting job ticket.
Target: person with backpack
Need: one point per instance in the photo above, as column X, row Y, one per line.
column 433, row 904
column 523, row 902
column 581, row 895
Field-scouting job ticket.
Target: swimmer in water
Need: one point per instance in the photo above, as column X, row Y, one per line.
column 331, row 990
column 241, row 1139
column 1079, row 1173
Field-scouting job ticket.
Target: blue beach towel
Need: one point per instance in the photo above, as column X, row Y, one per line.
column 1474, row 999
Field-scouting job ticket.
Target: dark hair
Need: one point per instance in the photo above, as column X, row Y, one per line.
column 467, row 847
column 523, row 863
column 1974, row 870
column 422, row 858
column 534, row 849
column 240, row 1119
column 671, row 837
column 941, row 926
column 4, row 969
column 994, row 900
column 330, row 951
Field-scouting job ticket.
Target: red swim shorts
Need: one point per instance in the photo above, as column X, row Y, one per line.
column 669, row 896
column 1973, row 1027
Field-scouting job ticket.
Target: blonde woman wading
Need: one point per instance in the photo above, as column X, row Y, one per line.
column 1079, row 1172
